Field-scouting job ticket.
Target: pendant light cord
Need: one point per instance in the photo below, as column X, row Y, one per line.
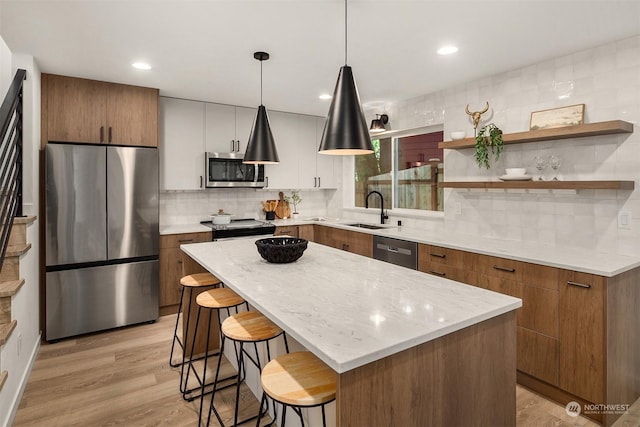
column 261, row 82
column 345, row 32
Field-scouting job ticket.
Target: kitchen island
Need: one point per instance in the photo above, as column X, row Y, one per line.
column 409, row 348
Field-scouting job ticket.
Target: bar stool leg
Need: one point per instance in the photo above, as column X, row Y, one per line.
column 215, row 382
column 190, row 363
column 204, row 371
column 183, row 388
column 175, row 333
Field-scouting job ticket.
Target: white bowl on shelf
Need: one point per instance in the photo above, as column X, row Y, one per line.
column 458, row 134
column 516, row 171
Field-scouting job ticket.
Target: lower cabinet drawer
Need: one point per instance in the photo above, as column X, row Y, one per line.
column 446, row 271
column 537, row 355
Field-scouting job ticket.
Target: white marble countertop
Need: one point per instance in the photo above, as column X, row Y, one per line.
column 347, row 309
column 183, row 228
column 583, row 260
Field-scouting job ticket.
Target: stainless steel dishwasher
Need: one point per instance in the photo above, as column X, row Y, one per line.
column 396, row 251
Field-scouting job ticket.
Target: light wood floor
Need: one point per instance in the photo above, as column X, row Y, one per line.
column 122, row 377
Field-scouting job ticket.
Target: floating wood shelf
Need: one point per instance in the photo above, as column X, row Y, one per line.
column 591, row 129
column 544, row 185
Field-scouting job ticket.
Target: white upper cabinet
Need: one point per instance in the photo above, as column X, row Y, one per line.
column 307, row 153
column 327, row 166
column 285, row 129
column 228, row 127
column 182, row 144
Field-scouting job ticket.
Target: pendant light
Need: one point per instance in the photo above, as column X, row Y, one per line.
column 346, row 131
column 378, row 124
column 261, row 148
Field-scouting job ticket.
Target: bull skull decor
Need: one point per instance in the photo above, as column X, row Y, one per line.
column 475, row 116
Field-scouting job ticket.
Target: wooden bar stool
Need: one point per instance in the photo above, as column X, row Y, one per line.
column 192, row 281
column 297, row 380
column 211, row 300
column 241, row 328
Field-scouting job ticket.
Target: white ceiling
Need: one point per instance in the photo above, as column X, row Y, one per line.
column 203, row 50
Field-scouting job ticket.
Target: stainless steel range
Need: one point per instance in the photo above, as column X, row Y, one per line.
column 240, row 228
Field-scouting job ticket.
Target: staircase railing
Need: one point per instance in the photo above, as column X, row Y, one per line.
column 10, row 159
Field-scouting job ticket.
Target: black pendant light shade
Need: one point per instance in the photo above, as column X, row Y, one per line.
column 261, row 148
column 377, row 124
column 346, row 132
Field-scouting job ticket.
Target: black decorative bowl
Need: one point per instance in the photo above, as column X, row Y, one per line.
column 281, row 250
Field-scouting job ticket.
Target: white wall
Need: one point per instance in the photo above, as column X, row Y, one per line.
column 25, row 304
column 607, row 80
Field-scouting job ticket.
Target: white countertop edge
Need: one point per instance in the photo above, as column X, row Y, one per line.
column 183, row 228
column 341, row 367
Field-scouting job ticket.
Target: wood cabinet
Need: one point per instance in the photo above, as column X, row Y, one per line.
column 228, row 127
column 576, row 332
column 89, row 111
column 171, row 267
column 300, row 231
column 350, row 241
column 582, row 329
column 182, row 135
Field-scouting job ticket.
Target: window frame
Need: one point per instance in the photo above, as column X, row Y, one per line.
column 402, row 212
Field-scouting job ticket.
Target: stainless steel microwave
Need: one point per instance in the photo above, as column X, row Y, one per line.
column 227, row 170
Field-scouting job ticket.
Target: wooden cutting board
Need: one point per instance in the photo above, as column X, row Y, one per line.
column 282, row 210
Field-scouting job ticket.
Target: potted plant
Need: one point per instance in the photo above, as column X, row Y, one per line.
column 294, row 200
column 488, row 139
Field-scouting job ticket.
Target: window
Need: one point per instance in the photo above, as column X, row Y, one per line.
column 405, row 170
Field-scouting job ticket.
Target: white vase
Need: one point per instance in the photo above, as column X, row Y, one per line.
column 295, row 215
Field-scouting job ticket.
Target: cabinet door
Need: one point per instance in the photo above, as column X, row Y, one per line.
column 286, row 231
column 132, row 115
column 244, row 123
column 220, row 134
column 326, row 166
column 171, row 264
column 306, row 232
column 308, row 177
column 181, row 144
column 582, row 341
column 284, row 127
column 76, row 109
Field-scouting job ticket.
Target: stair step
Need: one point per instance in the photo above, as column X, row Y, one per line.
column 18, row 234
column 9, row 289
column 6, row 330
column 17, row 250
column 3, row 378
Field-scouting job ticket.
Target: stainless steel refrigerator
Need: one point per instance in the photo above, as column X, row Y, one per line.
column 101, row 237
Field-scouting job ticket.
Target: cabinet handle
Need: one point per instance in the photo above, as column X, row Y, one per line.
column 238, row 141
column 109, row 134
column 267, row 181
column 233, row 146
column 186, row 241
column 345, row 246
column 580, row 285
column 315, row 181
column 101, row 134
column 437, row 273
column 438, row 255
column 200, row 181
column 508, row 270
column 319, row 182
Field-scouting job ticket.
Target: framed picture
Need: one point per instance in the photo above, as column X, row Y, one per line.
column 557, row 117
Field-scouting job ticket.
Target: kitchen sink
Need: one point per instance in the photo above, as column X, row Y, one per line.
column 367, row 226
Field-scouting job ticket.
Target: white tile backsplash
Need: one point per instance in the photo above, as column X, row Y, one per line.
column 606, row 79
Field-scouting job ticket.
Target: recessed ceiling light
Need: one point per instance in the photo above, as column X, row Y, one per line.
column 141, row 65
column 325, row 96
column 447, row 50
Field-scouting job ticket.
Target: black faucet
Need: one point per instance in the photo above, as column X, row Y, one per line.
column 366, row 205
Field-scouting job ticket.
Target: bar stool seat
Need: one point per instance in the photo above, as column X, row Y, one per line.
column 199, row 279
column 298, row 380
column 219, row 298
column 250, row 326
column 190, row 282
column 245, row 327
